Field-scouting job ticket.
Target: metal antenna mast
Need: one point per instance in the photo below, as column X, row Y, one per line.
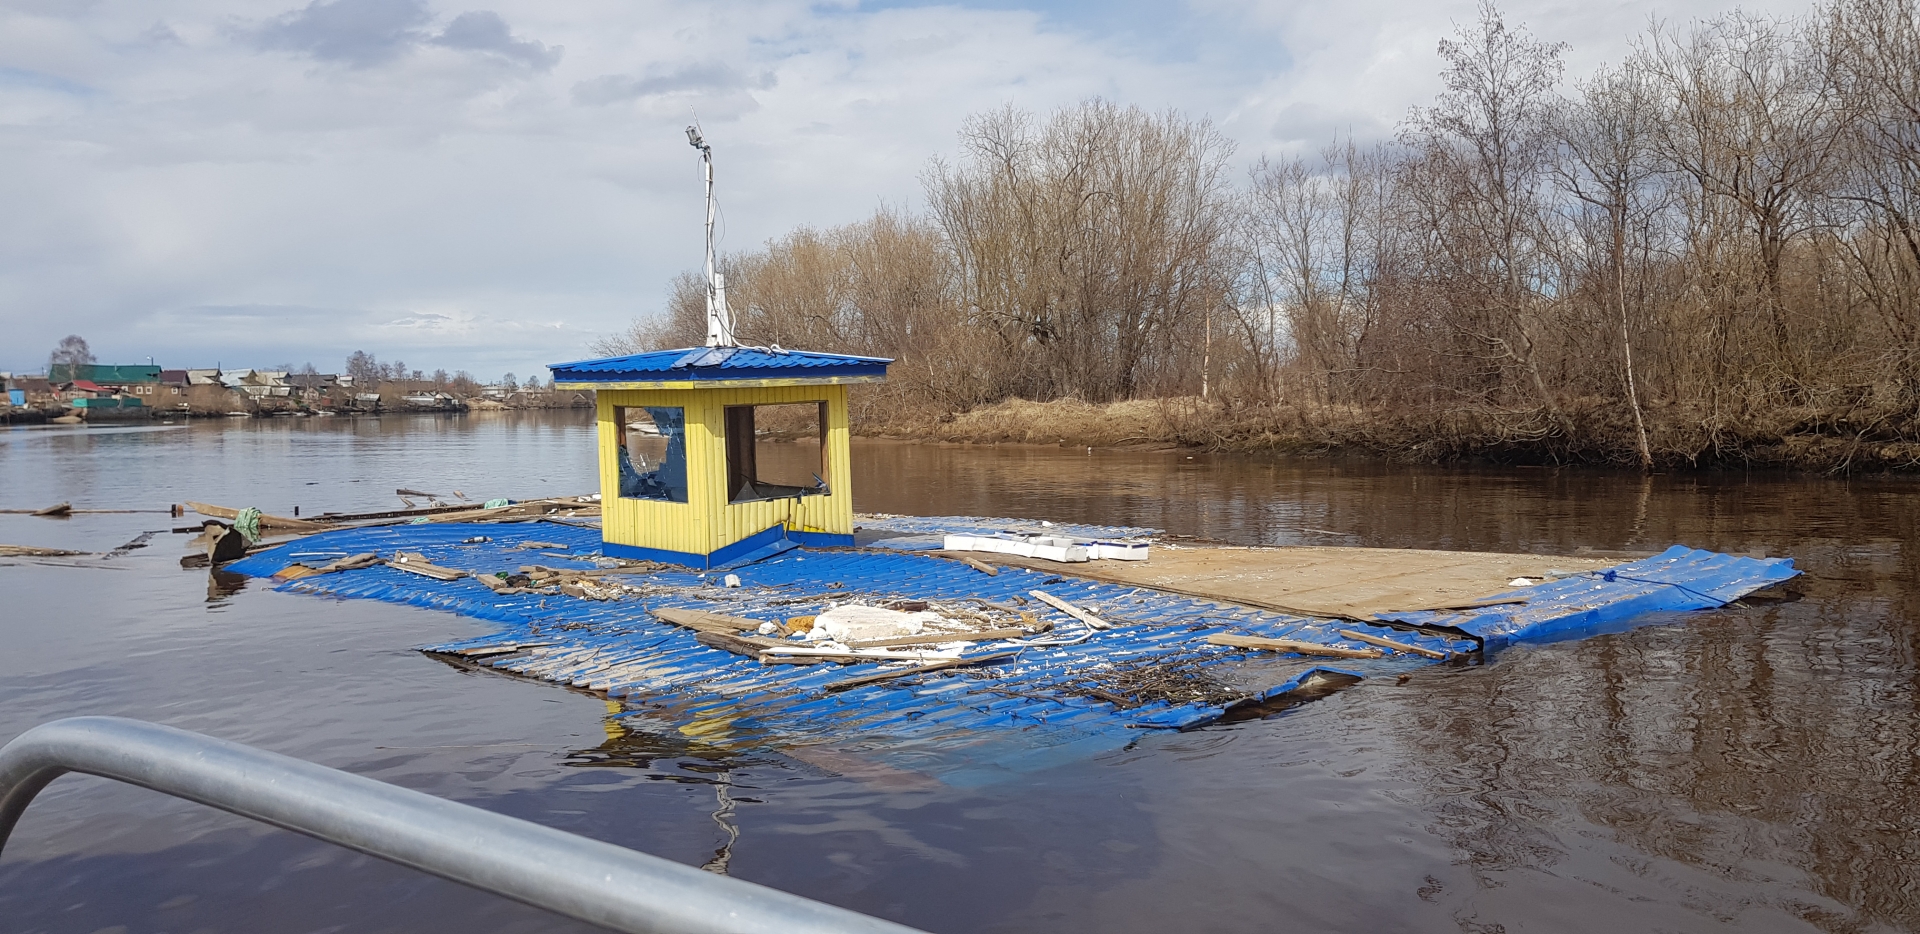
column 719, row 319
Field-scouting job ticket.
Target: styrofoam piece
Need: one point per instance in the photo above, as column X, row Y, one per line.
column 1064, row 553
column 1118, row 551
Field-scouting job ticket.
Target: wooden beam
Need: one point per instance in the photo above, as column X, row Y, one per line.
column 917, row 669
column 1290, row 645
column 936, row 638
column 1390, row 644
column 977, row 565
column 266, row 521
column 1069, row 609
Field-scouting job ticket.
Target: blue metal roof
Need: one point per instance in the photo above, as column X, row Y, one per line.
column 720, row 363
column 968, row 726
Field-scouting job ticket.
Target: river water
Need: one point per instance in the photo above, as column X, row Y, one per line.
column 1755, row 768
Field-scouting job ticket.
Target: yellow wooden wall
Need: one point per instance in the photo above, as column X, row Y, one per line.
column 707, row 522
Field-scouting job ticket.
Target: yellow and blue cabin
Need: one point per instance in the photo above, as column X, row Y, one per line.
column 710, row 454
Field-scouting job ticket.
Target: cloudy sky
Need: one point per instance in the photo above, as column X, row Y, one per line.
column 490, row 185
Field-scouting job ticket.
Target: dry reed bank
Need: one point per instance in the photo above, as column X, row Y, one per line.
column 1706, row 254
column 1802, row 440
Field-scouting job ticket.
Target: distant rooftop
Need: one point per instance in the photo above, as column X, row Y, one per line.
column 720, row 366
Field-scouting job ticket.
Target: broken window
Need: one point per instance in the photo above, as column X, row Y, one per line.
column 653, row 452
column 776, row 451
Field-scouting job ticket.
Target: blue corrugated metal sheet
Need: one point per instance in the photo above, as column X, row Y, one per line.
column 713, row 363
column 969, row 724
column 1679, row 578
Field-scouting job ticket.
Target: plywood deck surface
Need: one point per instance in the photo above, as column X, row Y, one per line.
column 1323, row 581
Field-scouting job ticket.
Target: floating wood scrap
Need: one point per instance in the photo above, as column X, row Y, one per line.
column 1069, row 609
column 1291, row 645
column 918, row 669
column 29, row 551
column 62, row 510
column 509, row 648
column 1391, row 644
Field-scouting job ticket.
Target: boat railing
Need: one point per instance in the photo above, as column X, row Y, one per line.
column 585, row 879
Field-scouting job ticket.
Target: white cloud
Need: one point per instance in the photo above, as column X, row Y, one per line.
column 491, row 187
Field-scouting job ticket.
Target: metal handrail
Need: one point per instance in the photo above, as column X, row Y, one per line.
column 571, row 875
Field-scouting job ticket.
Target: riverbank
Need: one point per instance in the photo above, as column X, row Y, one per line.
column 1595, row 433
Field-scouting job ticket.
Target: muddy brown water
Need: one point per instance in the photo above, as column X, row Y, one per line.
column 1755, row 768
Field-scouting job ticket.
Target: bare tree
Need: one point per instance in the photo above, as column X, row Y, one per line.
column 72, row 351
column 1481, row 157
column 1752, row 125
column 1611, row 167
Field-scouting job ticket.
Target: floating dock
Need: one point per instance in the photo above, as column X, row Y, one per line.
column 1169, row 661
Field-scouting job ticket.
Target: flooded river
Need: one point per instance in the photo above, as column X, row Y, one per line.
column 1755, row 768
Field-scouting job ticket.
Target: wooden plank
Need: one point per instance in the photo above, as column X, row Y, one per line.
column 1390, row 644
column 418, row 564
column 727, row 643
column 935, row 638
column 1069, row 609
column 917, row 669
column 644, row 568
column 1290, row 645
column 704, row 621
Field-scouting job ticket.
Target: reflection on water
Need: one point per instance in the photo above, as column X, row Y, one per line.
column 1752, row 768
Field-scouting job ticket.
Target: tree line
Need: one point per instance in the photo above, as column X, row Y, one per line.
column 1706, row 253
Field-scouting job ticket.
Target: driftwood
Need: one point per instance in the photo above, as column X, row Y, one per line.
column 1069, row 609
column 29, row 551
column 1390, row 644
column 57, row 509
column 917, row 669
column 1291, row 645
